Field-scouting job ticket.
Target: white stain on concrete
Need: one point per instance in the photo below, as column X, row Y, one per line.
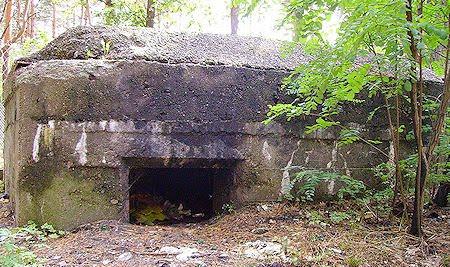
column 81, row 148
column 347, row 171
column 37, row 139
column 286, row 181
column 265, row 151
column 333, row 155
column 121, row 126
column 51, row 124
column 102, row 125
column 308, row 153
column 330, row 186
column 113, row 125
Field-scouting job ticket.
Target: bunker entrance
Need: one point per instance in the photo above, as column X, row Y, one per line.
column 177, row 195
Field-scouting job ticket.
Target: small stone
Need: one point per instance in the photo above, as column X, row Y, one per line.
column 261, row 250
column 125, row 256
column 223, row 256
column 56, row 258
column 170, row 250
column 200, row 264
column 106, row 262
column 114, row 201
column 62, row 263
column 337, row 251
column 259, row 231
column 164, row 262
column 187, row 253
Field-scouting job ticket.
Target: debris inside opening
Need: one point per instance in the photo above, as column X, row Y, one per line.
column 175, row 195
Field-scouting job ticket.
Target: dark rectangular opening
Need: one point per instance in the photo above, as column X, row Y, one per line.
column 177, row 195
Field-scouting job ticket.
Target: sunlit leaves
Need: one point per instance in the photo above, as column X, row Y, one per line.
column 371, row 52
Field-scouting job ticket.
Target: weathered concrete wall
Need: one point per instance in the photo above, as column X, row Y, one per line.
column 75, row 125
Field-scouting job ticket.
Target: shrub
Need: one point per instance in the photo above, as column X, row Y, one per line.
column 304, row 185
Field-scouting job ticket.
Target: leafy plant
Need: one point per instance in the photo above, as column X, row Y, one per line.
column 339, row 216
column 314, row 217
column 14, row 243
column 106, row 46
column 353, row 261
column 228, row 208
column 382, row 49
column 304, row 185
column 13, row 255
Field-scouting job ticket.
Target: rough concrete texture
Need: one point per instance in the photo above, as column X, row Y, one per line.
column 152, row 45
column 76, row 123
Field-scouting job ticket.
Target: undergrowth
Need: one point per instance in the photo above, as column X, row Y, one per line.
column 350, row 201
column 304, row 185
column 15, row 244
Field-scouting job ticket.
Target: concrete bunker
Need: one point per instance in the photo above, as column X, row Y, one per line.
column 178, row 190
column 82, row 123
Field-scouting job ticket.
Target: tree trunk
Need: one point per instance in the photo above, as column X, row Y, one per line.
column 6, row 38
column 416, row 108
column 31, row 20
column 150, row 21
column 416, row 223
column 234, row 16
column 87, row 15
column 7, row 16
column 19, row 13
column 82, row 15
column 53, row 20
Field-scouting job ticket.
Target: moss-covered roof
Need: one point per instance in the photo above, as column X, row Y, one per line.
column 129, row 43
column 147, row 44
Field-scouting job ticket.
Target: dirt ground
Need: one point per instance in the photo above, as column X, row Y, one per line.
column 258, row 235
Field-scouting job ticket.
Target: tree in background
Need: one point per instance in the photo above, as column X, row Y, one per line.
column 245, row 7
column 13, row 29
column 150, row 17
column 234, row 16
column 383, row 47
column 31, row 21
column 142, row 13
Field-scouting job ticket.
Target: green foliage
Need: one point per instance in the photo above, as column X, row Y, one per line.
column 148, row 215
column 307, row 17
column 440, row 168
column 353, row 261
column 126, row 13
column 228, row 208
column 30, row 45
column 315, row 218
column 446, row 260
column 14, row 244
column 246, row 6
column 134, row 13
column 371, row 47
column 2, row 187
column 13, row 255
column 106, row 46
column 371, row 57
column 339, row 216
column 304, row 185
